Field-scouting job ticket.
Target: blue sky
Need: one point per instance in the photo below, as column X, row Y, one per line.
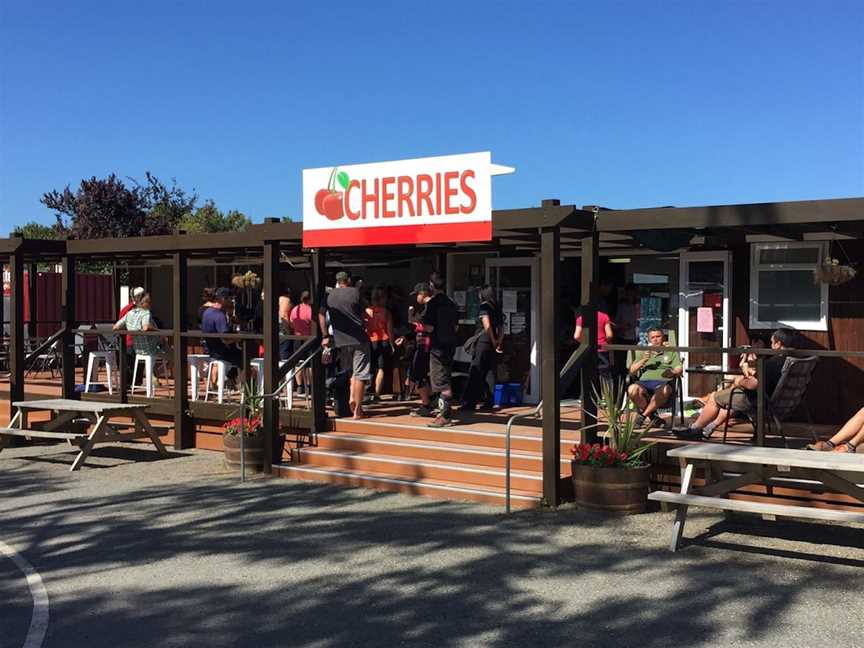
column 624, row 104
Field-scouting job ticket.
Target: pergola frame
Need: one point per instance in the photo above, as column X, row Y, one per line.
column 548, row 231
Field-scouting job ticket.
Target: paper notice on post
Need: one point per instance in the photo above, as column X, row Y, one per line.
column 460, row 297
column 517, row 323
column 704, row 319
column 509, row 301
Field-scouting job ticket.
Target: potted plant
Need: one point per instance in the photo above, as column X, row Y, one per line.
column 250, row 427
column 612, row 476
column 831, row 272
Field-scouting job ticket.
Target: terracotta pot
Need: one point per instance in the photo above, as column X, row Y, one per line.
column 611, row 490
column 253, row 449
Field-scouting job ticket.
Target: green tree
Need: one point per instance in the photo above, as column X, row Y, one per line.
column 208, row 219
column 34, row 230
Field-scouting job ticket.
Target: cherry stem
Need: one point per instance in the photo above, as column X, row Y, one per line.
column 331, row 183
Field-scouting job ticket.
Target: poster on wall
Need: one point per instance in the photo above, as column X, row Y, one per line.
column 444, row 199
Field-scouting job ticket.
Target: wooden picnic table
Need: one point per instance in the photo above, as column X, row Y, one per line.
column 102, row 428
column 728, row 468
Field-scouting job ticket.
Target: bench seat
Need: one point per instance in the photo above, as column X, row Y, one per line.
column 41, row 434
column 761, row 508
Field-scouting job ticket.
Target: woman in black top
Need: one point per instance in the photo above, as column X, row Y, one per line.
column 481, row 375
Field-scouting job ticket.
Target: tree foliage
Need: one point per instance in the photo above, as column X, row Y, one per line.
column 34, row 230
column 108, row 208
column 208, row 218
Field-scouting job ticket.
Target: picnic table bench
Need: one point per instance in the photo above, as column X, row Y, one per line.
column 728, row 468
column 98, row 417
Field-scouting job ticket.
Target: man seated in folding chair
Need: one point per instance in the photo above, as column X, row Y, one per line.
column 655, row 373
column 740, row 398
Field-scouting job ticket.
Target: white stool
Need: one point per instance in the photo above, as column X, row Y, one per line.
column 93, row 364
column 287, row 396
column 221, row 376
column 198, row 364
column 147, row 360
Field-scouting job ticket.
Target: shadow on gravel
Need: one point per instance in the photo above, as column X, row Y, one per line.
column 120, row 454
column 454, row 576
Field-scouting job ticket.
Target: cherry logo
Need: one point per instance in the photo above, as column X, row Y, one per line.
column 328, row 202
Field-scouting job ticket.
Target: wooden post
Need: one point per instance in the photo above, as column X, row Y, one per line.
column 184, row 426
column 590, row 275
column 32, row 299
column 319, row 393
column 16, row 329
column 760, row 400
column 550, row 259
column 67, row 313
column 271, row 352
column 115, row 289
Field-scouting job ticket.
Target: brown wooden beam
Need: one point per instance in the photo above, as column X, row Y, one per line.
column 270, row 277
column 32, row 302
column 588, row 373
column 184, row 427
column 549, row 369
column 16, row 329
column 319, row 389
column 68, row 298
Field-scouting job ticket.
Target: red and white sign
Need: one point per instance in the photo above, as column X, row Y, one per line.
column 442, row 199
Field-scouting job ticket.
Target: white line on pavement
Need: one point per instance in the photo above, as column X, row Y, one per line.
column 39, row 620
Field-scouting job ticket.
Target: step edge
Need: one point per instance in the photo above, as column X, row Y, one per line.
column 410, row 482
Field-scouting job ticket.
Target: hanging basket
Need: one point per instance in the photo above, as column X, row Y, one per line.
column 833, row 274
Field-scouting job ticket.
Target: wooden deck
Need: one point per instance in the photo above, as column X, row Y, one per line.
column 393, row 450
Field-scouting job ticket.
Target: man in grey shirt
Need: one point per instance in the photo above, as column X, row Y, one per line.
column 347, row 314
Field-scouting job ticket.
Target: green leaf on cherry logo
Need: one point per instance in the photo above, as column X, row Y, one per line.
column 343, row 179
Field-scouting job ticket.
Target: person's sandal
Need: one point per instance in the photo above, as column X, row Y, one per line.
column 846, row 447
column 440, row 422
column 424, row 411
column 821, row 446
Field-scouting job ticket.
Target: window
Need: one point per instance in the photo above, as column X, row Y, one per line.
column 783, row 291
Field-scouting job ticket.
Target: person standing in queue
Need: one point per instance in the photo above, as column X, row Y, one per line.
column 489, row 340
column 379, row 325
column 418, row 367
column 345, row 307
column 440, row 320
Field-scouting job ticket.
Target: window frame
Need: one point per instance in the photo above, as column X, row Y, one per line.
column 755, row 267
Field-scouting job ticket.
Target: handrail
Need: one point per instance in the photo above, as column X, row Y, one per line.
column 739, row 350
column 576, row 357
column 287, row 379
column 50, row 341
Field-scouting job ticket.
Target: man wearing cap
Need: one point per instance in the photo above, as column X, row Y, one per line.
column 347, row 313
column 440, row 320
column 214, row 319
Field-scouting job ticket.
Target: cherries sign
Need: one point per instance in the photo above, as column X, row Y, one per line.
column 328, row 201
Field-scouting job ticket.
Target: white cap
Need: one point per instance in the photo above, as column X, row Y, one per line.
column 137, row 292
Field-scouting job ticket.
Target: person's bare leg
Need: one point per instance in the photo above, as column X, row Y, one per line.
column 708, row 413
column 379, row 382
column 358, row 387
column 638, row 396
column 853, row 428
column 658, row 400
column 425, row 395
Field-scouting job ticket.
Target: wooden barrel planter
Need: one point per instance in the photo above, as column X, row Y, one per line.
column 253, row 449
column 611, row 490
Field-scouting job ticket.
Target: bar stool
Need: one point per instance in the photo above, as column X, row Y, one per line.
column 94, row 363
column 198, row 364
column 147, row 361
column 287, row 396
column 221, row 368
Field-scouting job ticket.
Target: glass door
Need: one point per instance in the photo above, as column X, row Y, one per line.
column 703, row 317
column 517, row 283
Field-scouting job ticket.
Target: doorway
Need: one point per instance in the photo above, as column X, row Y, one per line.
column 517, row 284
column 703, row 316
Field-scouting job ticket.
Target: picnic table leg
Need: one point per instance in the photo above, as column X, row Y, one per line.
column 92, row 439
column 681, row 512
column 142, row 420
column 14, row 423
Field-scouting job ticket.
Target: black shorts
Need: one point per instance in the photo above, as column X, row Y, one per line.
column 382, row 356
column 418, row 370
column 440, row 366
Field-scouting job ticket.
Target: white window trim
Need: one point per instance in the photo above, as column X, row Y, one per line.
column 804, row 325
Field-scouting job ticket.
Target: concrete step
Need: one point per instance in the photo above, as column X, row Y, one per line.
column 395, row 483
column 447, row 472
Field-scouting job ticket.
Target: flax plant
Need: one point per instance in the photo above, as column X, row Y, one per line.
column 622, row 433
